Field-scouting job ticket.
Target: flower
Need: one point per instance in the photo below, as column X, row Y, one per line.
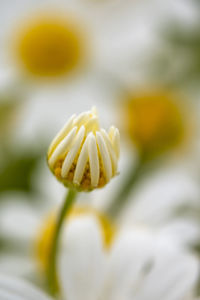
column 43, row 243
column 12, row 288
column 83, row 155
column 154, row 122
column 49, row 45
column 131, row 269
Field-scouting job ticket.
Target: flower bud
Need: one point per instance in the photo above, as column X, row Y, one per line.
column 83, row 155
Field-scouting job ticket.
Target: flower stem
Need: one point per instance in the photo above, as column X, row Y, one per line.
column 51, row 272
column 121, row 198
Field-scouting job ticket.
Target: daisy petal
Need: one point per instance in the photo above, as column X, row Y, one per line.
column 63, row 147
column 93, row 159
column 82, row 261
column 106, row 161
column 16, row 289
column 61, row 134
column 73, row 152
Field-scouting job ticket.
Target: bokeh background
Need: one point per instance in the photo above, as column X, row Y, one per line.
column 138, row 62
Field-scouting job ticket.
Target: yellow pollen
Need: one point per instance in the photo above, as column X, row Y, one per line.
column 86, row 180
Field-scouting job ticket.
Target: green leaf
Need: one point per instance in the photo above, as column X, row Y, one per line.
column 15, row 174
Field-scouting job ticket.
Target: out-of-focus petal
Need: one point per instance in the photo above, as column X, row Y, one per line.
column 16, row 289
column 145, row 266
column 82, row 260
column 131, row 255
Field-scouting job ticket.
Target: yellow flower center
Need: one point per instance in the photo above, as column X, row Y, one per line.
column 43, row 243
column 49, row 46
column 154, row 122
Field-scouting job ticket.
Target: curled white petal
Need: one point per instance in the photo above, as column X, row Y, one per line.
column 73, row 152
column 61, row 134
column 81, row 119
column 63, row 147
column 93, row 160
column 81, row 163
column 116, row 142
column 92, row 124
column 111, row 150
column 106, row 161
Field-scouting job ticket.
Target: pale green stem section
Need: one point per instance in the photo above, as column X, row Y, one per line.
column 135, row 174
column 121, row 198
column 52, row 270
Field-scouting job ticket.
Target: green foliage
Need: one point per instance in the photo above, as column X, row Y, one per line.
column 16, row 171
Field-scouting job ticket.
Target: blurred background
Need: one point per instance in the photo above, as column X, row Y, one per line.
column 138, row 62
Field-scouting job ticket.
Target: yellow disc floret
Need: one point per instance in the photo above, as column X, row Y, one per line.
column 43, row 243
column 154, row 122
column 83, row 155
column 49, row 46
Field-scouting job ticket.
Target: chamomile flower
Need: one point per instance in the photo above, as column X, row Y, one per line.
column 49, row 45
column 43, row 242
column 132, row 268
column 154, row 121
column 83, row 155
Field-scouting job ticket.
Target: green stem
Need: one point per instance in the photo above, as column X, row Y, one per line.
column 51, row 272
column 121, row 197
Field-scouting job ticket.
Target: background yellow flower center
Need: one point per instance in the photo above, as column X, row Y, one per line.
column 49, row 46
column 154, row 122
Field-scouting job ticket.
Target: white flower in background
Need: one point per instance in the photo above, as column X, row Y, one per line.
column 130, row 266
column 82, row 154
column 137, row 265
column 99, row 262
column 12, row 288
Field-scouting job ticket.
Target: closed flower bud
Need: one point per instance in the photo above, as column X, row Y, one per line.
column 83, row 155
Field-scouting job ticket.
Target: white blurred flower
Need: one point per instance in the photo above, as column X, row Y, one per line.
column 138, row 265
column 12, row 288
column 136, row 262
column 98, row 262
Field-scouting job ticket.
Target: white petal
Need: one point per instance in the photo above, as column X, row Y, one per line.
column 82, row 260
column 143, row 267
column 82, row 118
column 81, row 163
column 61, row 134
column 130, row 257
column 111, row 132
column 94, row 111
column 111, row 151
column 177, row 274
column 73, row 152
column 92, row 124
column 116, row 142
column 104, row 155
column 13, row 289
column 93, row 159
column 63, row 147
